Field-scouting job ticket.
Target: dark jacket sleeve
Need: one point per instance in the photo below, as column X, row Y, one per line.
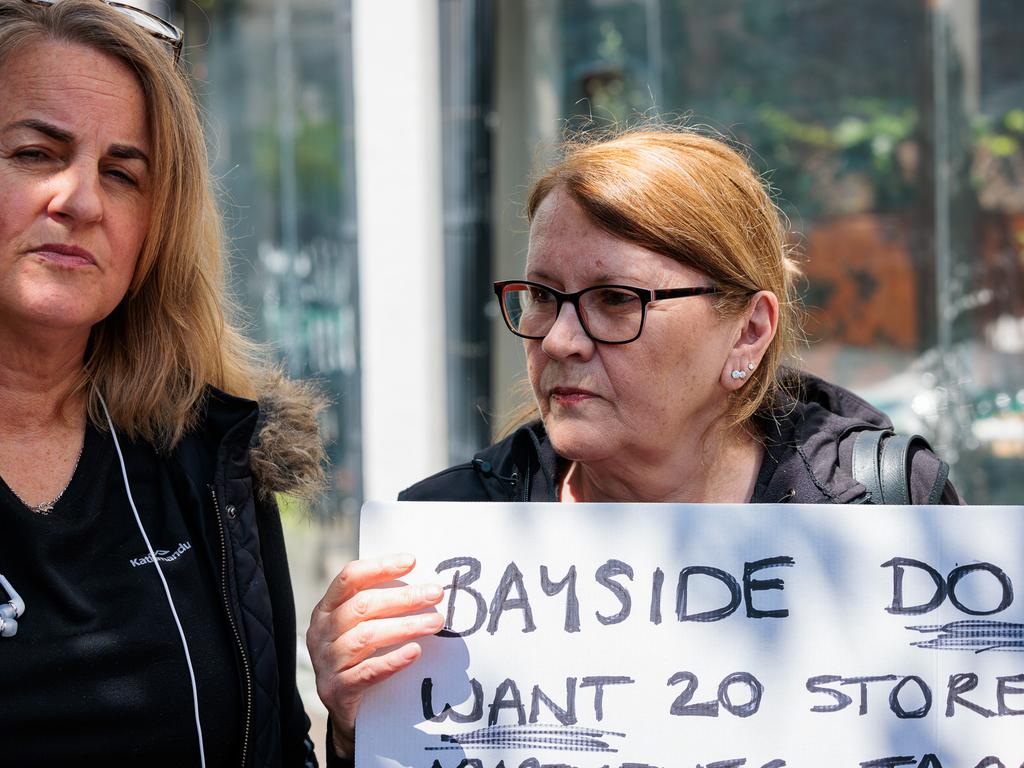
column 333, row 761
column 296, row 746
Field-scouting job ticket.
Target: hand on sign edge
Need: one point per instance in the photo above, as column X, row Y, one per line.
column 354, row 620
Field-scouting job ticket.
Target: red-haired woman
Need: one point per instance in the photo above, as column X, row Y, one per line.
column 657, row 310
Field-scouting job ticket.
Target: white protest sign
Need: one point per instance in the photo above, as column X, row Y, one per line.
column 716, row 636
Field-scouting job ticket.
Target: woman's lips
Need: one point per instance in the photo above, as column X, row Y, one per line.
column 65, row 255
column 570, row 395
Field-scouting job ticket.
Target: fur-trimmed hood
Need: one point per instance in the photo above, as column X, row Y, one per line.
column 274, row 439
column 286, row 452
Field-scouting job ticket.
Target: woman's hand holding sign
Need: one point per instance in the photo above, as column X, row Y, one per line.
column 360, row 616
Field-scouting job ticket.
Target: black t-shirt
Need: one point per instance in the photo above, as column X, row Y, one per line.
column 96, row 673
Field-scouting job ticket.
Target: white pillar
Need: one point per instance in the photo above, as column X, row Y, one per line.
column 401, row 257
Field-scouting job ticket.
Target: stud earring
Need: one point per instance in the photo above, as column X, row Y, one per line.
column 738, row 374
column 751, row 366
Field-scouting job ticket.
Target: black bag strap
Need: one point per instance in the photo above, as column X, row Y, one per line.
column 867, row 460
column 881, row 463
column 895, row 470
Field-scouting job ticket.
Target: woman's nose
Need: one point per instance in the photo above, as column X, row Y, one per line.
column 77, row 196
column 567, row 337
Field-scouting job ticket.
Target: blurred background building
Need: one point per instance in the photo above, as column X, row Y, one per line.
column 374, row 157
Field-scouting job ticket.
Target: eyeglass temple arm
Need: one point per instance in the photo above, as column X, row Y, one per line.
column 679, row 293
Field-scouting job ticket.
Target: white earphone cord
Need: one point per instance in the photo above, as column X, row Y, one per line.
column 163, row 580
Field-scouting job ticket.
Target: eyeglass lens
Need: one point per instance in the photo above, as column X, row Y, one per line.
column 608, row 314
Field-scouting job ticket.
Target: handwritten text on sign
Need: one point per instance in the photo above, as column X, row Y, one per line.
column 706, row 635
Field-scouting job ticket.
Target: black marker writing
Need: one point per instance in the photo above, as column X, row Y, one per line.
column 751, row 585
column 566, row 716
column 427, row 698
column 976, row 635
column 945, row 587
column 657, row 579
column 459, row 584
column 572, row 603
column 710, row 615
column 682, row 707
column 512, row 577
column 598, row 684
column 604, row 577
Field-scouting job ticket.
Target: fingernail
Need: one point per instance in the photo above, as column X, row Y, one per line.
column 431, row 592
column 403, row 560
column 432, row 621
column 410, row 651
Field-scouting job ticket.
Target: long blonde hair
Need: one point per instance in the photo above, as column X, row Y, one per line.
column 172, row 334
column 695, row 199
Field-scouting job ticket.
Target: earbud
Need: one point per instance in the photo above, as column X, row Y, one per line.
column 10, row 610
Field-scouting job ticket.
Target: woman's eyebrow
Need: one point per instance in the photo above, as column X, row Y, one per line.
column 604, row 278
column 128, row 152
column 43, row 127
column 120, row 151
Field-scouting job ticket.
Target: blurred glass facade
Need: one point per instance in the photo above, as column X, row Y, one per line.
column 275, row 82
column 893, row 133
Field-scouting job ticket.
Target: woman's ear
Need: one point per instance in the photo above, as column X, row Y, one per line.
column 757, row 327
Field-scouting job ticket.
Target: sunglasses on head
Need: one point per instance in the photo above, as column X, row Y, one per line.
column 162, row 30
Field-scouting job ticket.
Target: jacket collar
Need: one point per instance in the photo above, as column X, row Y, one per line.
column 220, row 439
column 808, row 441
column 522, row 467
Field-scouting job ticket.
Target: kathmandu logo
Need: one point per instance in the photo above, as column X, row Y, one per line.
column 165, row 555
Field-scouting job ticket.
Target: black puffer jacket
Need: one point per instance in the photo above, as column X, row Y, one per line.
column 231, row 463
column 808, row 455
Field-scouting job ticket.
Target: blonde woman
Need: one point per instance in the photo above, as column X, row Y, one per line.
column 656, row 312
column 152, row 618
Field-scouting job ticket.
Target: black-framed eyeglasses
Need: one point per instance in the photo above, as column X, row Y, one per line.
column 162, row 30
column 609, row 314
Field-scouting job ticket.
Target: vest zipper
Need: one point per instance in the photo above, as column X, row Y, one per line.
column 234, row 627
